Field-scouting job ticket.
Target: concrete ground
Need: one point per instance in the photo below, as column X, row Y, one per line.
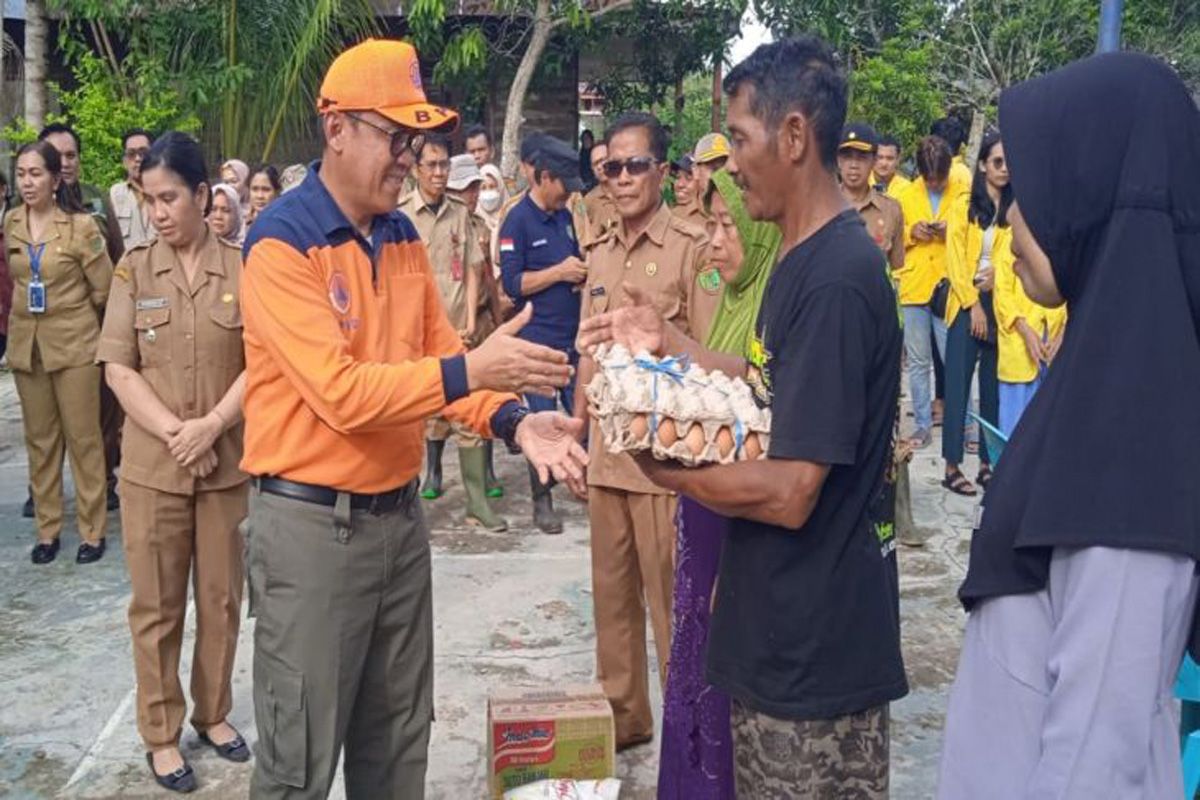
column 511, row 609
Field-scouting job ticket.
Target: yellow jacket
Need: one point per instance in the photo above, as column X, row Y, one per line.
column 964, row 246
column 924, row 262
column 897, row 185
column 1011, row 303
column 960, row 172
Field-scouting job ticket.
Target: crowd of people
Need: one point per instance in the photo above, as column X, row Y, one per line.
column 288, row 349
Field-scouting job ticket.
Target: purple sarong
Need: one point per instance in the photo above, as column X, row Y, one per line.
column 696, row 762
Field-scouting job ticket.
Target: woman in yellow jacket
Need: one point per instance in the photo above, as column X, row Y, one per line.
column 978, row 239
column 927, row 203
column 1029, row 338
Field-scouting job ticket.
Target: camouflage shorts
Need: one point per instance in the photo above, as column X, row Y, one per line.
column 845, row 758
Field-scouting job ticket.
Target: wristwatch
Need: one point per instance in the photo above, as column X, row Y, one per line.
column 509, row 432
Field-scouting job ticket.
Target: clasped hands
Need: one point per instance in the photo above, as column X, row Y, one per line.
column 191, row 443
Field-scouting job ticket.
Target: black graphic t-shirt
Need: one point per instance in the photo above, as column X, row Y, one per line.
column 807, row 622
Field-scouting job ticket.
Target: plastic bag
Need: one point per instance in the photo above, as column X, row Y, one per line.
column 565, row 789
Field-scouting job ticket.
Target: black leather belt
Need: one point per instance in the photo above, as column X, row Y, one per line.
column 377, row 504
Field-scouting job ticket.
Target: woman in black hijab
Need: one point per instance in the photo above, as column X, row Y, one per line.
column 1082, row 581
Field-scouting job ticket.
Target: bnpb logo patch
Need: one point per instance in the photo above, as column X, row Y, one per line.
column 339, row 293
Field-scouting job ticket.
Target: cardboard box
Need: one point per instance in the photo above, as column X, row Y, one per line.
column 552, row 732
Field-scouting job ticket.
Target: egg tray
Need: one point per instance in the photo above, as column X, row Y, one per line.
column 702, row 442
column 675, row 411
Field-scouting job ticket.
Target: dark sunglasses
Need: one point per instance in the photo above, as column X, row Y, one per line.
column 638, row 165
column 997, row 162
column 401, row 138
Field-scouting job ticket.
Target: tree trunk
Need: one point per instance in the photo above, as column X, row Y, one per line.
column 680, row 104
column 716, row 94
column 35, row 63
column 978, row 121
column 515, row 107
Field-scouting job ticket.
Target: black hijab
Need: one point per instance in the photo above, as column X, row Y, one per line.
column 1104, row 158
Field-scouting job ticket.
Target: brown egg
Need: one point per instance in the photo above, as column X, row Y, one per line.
column 752, row 448
column 666, row 431
column 724, row 442
column 638, row 427
column 695, row 439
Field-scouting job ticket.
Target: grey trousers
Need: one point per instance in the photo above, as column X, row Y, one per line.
column 1067, row 693
column 343, row 648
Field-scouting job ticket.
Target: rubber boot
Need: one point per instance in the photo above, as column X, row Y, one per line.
column 432, row 488
column 494, row 488
column 545, row 518
column 471, row 462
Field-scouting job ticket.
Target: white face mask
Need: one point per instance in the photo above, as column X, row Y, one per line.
column 489, row 200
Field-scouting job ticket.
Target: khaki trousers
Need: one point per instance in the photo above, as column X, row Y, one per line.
column 633, row 567
column 439, row 429
column 61, row 412
column 168, row 537
column 343, row 648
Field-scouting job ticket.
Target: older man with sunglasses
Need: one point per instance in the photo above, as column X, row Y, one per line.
column 662, row 260
column 348, row 352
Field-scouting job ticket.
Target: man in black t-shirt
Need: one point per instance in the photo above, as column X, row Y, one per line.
column 805, row 632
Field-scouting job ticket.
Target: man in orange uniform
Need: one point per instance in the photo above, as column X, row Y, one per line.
column 348, row 353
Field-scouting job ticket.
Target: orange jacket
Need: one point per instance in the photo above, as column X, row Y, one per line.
column 348, row 348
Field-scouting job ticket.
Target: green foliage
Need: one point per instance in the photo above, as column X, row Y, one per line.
column 101, row 110
column 895, row 92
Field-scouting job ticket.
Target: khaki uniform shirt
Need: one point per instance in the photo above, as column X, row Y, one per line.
column 691, row 213
column 132, row 216
column 76, row 272
column 186, row 341
column 885, row 222
column 601, row 214
column 665, row 261
column 453, row 248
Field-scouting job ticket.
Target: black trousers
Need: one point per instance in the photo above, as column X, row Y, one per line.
column 963, row 351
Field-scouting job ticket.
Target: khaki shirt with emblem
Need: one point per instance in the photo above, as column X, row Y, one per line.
column 665, row 261
column 885, row 222
column 186, row 341
column 453, row 247
column 76, row 272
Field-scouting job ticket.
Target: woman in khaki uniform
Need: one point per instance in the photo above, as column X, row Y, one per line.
column 61, row 272
column 172, row 349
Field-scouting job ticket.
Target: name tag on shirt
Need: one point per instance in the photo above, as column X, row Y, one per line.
column 539, row 243
column 151, row 302
column 597, row 291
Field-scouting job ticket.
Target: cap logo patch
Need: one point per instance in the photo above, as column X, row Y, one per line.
column 414, row 73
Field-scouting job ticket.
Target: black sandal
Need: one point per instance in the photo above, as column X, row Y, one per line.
column 957, row 482
column 182, row 780
column 235, row 749
column 985, row 476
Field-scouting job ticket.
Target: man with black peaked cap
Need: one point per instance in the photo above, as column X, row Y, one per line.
column 540, row 264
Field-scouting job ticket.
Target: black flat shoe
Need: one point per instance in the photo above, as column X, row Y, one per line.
column 27, row 509
column 45, row 553
column 113, row 501
column 90, row 553
column 235, row 749
column 182, row 780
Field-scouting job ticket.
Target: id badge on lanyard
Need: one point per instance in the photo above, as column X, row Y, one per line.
column 37, row 289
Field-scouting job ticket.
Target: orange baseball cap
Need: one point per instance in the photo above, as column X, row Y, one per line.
column 384, row 76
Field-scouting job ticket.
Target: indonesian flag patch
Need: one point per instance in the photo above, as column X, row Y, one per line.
column 506, row 246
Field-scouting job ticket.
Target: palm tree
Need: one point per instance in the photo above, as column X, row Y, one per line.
column 285, row 46
column 35, row 63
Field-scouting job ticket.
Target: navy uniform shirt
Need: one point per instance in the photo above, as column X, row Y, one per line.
column 530, row 240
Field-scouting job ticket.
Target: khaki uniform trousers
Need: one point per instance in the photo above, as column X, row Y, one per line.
column 61, row 411
column 168, row 537
column 343, row 647
column 633, row 567
column 439, row 429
